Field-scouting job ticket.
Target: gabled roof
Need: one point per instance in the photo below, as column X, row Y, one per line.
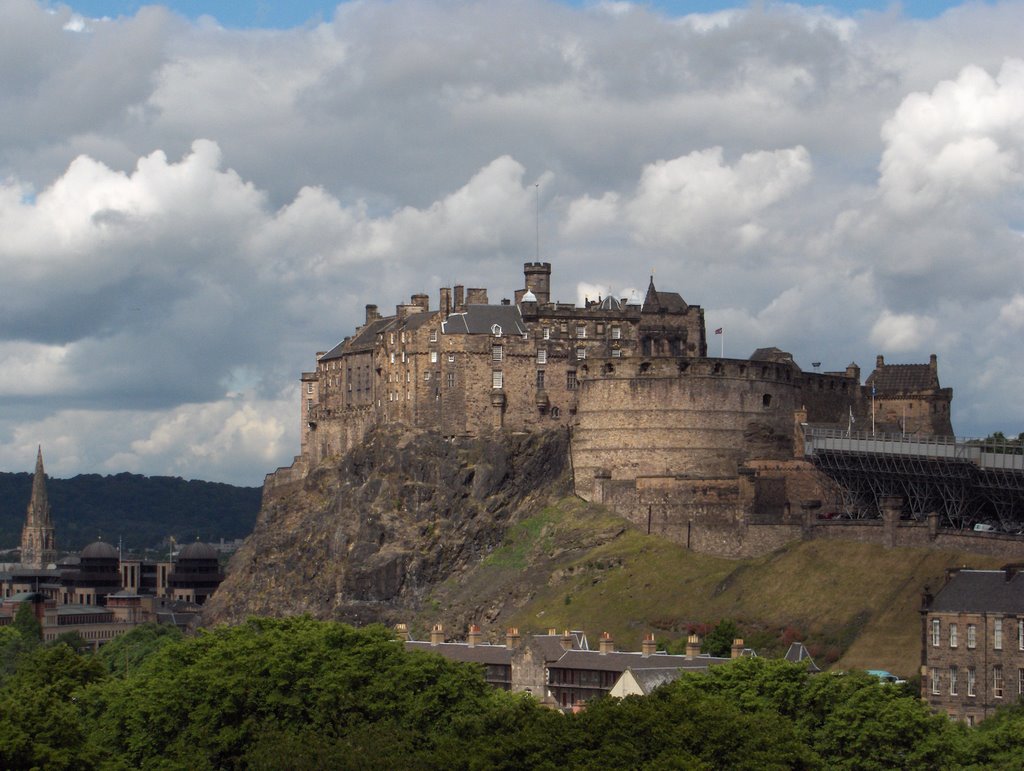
column 669, row 302
column 982, row 591
column 903, row 377
column 480, row 320
column 649, row 679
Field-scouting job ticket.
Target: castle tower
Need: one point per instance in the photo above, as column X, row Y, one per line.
column 38, row 548
column 538, row 280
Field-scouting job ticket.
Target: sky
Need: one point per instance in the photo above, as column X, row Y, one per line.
column 196, row 198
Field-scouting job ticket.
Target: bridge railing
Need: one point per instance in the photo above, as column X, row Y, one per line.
column 986, row 454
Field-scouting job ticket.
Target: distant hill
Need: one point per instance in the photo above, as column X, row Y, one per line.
column 141, row 510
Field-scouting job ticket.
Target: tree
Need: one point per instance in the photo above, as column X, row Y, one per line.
column 26, row 623
column 719, row 640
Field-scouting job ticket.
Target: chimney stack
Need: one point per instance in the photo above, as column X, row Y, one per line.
column 460, row 301
column 692, row 646
column 402, row 632
column 446, row 300
column 606, row 643
column 476, row 297
column 648, row 647
column 474, row 636
column 422, row 301
column 737, row 648
column 879, row 361
column 371, row 313
column 566, row 641
column 437, row 634
column 512, row 637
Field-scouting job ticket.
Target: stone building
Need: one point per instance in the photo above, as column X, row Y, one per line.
column 685, row 445
column 972, row 642
column 560, row 669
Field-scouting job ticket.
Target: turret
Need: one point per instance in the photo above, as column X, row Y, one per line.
column 538, row 280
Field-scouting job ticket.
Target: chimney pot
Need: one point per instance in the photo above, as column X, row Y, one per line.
column 692, row 646
column 474, row 637
column 737, row 648
column 402, row 632
column 566, row 641
column 648, row 647
column 606, row 643
column 437, row 634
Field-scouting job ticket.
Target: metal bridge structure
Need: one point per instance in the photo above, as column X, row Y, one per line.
column 965, row 481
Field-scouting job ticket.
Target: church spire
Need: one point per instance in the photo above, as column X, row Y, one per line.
column 38, row 548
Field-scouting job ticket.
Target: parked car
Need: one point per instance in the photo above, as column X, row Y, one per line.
column 886, row 677
column 981, row 527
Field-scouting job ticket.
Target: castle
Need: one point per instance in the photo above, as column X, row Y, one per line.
column 668, row 436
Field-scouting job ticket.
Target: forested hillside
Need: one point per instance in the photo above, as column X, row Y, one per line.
column 142, row 510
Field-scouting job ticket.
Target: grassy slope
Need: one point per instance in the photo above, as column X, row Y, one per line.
column 577, row 566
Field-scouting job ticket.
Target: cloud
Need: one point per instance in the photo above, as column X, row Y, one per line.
column 901, row 332
column 963, row 142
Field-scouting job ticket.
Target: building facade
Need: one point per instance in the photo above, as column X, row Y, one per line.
column 972, row 643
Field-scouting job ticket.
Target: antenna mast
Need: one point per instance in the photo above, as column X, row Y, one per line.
column 536, row 188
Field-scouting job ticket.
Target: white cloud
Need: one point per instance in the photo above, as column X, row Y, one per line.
column 902, row 332
column 963, row 141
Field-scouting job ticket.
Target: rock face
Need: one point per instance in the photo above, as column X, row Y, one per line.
column 365, row 537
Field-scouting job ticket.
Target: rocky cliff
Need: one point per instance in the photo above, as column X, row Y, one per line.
column 367, row 536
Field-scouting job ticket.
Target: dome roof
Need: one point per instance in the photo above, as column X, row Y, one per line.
column 99, row 550
column 197, row 551
column 529, row 297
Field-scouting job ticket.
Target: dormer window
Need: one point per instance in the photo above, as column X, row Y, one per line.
column 496, row 330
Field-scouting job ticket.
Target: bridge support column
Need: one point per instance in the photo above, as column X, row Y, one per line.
column 892, row 508
column 933, row 525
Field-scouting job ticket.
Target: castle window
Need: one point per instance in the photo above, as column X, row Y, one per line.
column 542, row 356
column 540, row 379
column 391, row 338
column 451, row 379
column 309, row 405
column 570, row 380
column 952, row 680
column 1020, row 635
column 451, row 357
column 554, row 412
column 426, row 376
column 581, row 353
column 997, row 681
column 433, row 357
column 936, row 632
column 392, row 357
column 600, row 328
column 953, row 636
column 936, row 679
column 616, row 333
column 971, row 680
column 972, row 635
column 403, row 336
column 581, row 331
column 547, row 333
column 497, row 353
column 717, row 369
column 309, row 388
column 433, row 335
column 403, row 357
column 408, row 377
column 565, row 327
column 997, row 634
column 616, row 353
column 497, row 379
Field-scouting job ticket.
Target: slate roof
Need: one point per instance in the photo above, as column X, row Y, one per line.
column 981, row 591
column 649, row 679
column 772, row 354
column 903, row 377
column 475, row 654
column 619, row 661
column 798, row 654
column 609, row 303
column 656, row 301
column 550, row 645
column 478, row 320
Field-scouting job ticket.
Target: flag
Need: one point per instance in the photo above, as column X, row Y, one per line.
column 718, row 331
